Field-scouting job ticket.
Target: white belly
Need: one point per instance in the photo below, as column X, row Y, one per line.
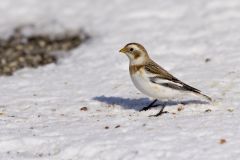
column 153, row 90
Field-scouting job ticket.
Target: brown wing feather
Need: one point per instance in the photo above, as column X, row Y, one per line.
column 154, row 68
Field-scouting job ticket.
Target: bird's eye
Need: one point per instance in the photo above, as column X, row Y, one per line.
column 131, row 49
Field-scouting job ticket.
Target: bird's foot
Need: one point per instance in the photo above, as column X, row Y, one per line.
column 159, row 114
column 149, row 106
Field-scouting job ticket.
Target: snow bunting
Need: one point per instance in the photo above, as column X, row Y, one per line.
column 154, row 81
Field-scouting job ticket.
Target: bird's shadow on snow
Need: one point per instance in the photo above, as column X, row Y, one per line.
column 138, row 104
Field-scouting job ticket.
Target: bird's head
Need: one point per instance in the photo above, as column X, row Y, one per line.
column 136, row 53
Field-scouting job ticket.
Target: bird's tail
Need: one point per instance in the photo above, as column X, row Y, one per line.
column 206, row 97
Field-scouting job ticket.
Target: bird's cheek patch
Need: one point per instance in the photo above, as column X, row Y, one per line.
column 136, row 55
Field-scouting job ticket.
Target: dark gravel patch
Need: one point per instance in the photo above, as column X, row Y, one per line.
column 19, row 50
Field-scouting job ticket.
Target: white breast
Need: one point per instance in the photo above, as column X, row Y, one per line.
column 143, row 84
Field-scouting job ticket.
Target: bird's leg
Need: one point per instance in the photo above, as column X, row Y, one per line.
column 160, row 112
column 149, row 106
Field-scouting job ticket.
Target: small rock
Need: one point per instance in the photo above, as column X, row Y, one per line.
column 222, row 141
column 40, row 154
column 83, row 109
column 230, row 110
column 207, row 60
column 180, row 108
column 208, row 110
column 42, row 43
column 106, row 127
column 117, row 126
column 7, row 71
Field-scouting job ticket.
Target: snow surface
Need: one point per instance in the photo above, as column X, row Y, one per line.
column 40, row 116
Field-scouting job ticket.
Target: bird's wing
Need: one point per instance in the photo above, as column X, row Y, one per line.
column 158, row 74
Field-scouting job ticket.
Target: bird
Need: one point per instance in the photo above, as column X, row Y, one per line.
column 153, row 80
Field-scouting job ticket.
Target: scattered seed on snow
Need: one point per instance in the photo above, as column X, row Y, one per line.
column 83, row 109
column 208, row 110
column 180, row 108
column 222, row 141
column 207, row 60
column 117, row 126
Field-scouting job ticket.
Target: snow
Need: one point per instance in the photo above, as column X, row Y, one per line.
column 40, row 116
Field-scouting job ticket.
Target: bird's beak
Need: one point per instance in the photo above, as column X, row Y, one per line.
column 123, row 50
